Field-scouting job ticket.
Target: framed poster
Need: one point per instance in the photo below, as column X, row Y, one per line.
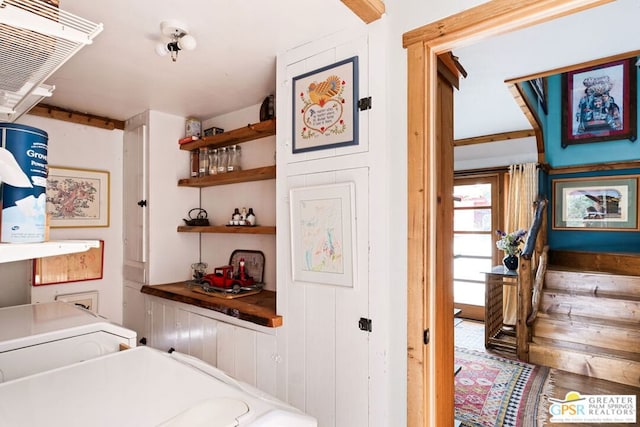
column 77, row 197
column 539, row 86
column 599, row 103
column 76, row 267
column 325, row 107
column 596, row 203
column 323, row 234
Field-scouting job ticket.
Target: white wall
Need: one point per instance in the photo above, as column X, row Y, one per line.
column 170, row 253
column 87, row 147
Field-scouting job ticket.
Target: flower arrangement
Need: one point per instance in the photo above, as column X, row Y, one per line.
column 510, row 242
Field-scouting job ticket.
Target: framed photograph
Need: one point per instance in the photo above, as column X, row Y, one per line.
column 325, row 107
column 76, row 267
column 86, row 300
column 323, row 234
column 598, row 103
column 539, row 87
column 596, row 203
column 77, row 197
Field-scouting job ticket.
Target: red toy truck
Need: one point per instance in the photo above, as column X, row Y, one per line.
column 223, row 277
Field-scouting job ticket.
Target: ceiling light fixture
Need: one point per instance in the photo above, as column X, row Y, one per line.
column 179, row 36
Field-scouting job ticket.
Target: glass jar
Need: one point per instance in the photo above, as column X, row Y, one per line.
column 195, row 162
column 234, row 158
column 203, row 169
column 223, row 160
column 213, row 161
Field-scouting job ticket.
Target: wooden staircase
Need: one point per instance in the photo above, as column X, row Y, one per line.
column 588, row 323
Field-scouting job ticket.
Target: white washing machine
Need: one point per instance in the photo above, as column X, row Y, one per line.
column 141, row 387
column 38, row 337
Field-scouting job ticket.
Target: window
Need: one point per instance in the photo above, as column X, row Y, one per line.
column 475, row 219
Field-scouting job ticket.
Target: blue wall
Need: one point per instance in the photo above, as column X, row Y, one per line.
column 578, row 155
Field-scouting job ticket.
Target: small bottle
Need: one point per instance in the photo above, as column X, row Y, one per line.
column 195, row 163
column 213, row 161
column 243, row 273
column 236, row 215
column 203, row 169
column 251, row 217
column 223, row 160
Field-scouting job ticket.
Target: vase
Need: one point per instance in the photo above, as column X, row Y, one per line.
column 510, row 262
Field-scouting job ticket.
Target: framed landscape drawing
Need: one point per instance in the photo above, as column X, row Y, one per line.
column 598, row 103
column 596, row 203
column 325, row 107
column 77, row 197
column 323, row 234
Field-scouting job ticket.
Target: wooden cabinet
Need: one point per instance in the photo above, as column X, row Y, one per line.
column 243, row 350
column 236, row 136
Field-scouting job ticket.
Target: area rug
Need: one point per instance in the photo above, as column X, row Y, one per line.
column 492, row 391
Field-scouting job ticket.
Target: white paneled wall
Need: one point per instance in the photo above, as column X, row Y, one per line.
column 243, row 350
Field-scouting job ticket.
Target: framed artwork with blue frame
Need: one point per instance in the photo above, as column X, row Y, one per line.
column 325, row 107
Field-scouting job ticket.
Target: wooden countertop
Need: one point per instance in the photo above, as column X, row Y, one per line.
column 259, row 308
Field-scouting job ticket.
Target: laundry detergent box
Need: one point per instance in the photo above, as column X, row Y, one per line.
column 23, row 171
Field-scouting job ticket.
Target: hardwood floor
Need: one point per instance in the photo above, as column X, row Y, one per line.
column 470, row 334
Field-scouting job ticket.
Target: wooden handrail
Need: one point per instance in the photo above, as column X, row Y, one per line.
column 532, row 236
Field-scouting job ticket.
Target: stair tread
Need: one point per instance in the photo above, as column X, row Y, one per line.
column 569, row 318
column 587, row 349
column 589, row 294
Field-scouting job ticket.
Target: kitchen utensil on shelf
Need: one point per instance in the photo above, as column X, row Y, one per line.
column 197, row 217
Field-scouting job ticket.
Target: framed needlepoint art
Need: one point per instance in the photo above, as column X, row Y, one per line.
column 325, row 107
column 599, row 103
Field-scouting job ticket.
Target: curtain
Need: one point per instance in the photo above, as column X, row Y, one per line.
column 523, row 191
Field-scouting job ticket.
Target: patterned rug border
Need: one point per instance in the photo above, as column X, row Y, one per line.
column 533, row 408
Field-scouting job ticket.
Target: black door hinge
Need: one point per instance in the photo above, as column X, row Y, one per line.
column 142, row 203
column 364, row 103
column 364, row 324
column 426, row 336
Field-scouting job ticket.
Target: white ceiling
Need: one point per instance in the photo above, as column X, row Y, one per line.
column 233, row 65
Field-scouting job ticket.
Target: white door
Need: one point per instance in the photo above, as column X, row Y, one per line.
column 327, row 354
column 134, row 227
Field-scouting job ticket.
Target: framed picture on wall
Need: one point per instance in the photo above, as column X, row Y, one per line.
column 325, row 107
column 599, row 103
column 76, row 267
column 596, row 203
column 539, row 86
column 77, row 197
column 323, row 234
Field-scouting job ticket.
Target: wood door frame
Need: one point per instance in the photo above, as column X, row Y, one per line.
column 429, row 395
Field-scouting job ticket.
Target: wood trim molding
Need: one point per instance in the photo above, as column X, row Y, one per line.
column 495, row 137
column 530, row 113
column 367, row 10
column 614, row 263
column 561, row 70
column 57, row 113
column 614, row 166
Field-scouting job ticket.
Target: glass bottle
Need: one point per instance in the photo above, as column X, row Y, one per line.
column 203, row 169
column 223, row 159
column 251, row 217
column 234, row 158
column 195, row 162
column 213, row 161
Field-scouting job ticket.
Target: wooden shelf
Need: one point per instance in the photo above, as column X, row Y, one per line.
column 257, row 174
column 258, row 229
column 235, row 136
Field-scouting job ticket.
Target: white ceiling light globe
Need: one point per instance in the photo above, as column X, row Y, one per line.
column 187, row 42
column 161, row 49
